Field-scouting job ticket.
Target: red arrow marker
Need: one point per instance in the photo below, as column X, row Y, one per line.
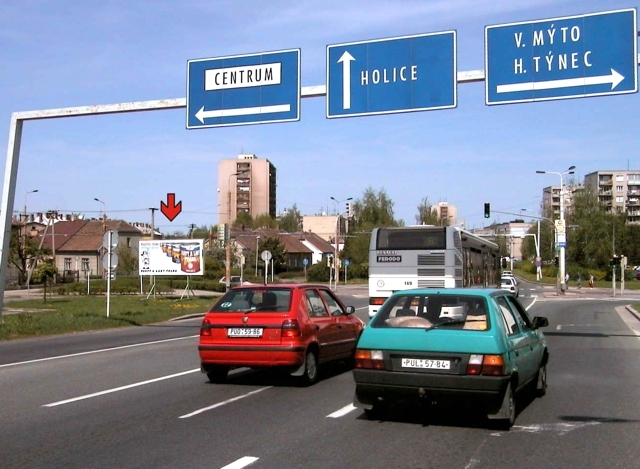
column 170, row 209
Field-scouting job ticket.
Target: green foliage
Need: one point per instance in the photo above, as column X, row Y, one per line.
column 264, row 221
column 292, row 221
column 84, row 313
column 276, row 248
column 375, row 208
column 44, row 272
column 426, row 214
column 127, row 261
column 243, row 220
column 318, row 272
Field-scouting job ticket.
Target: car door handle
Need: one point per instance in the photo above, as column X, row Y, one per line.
column 317, row 328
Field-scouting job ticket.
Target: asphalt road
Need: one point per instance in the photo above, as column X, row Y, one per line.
column 135, row 398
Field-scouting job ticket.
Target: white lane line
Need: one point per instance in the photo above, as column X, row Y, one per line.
column 219, row 404
column 121, row 388
column 344, row 411
column 142, row 344
column 240, row 463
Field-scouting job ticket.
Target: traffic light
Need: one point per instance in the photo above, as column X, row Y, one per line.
column 615, row 261
column 487, row 210
column 556, row 261
column 503, row 262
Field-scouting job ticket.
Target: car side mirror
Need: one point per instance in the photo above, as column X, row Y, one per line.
column 350, row 310
column 540, row 321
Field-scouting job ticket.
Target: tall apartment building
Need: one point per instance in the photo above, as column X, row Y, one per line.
column 551, row 199
column 246, row 184
column 618, row 191
column 446, row 212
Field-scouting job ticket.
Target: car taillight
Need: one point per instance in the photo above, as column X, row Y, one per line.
column 492, row 365
column 371, row 359
column 291, row 328
column 205, row 330
column 375, row 301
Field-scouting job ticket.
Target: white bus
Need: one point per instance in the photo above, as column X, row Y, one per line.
column 427, row 256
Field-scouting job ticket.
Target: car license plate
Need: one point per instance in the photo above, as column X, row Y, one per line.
column 426, row 363
column 244, row 332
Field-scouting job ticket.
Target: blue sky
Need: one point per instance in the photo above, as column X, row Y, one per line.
column 66, row 53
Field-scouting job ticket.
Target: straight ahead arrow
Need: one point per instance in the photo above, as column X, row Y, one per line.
column 614, row 79
column 346, row 79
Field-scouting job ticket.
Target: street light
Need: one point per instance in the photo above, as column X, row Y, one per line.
column 561, row 228
column 257, row 239
column 227, row 267
column 336, row 265
column 25, row 203
column 104, row 207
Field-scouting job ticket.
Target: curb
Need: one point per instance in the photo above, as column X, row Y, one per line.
column 633, row 312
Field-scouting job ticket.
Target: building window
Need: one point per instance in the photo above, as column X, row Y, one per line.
column 67, row 263
column 619, row 199
column 128, row 242
column 85, row 264
column 619, row 189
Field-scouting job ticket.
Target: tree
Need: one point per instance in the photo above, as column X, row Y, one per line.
column 45, row 273
column 374, row 209
column 426, row 215
column 291, row 222
column 275, row 247
column 127, row 261
column 243, row 220
column 264, row 220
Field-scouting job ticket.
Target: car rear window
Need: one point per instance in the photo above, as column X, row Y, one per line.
column 254, row 299
column 464, row 312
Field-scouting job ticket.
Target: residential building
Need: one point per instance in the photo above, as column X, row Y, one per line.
column 551, row 199
column 618, row 191
column 447, row 213
column 246, row 184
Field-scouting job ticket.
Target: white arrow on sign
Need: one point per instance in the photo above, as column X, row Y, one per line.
column 346, row 79
column 614, row 78
column 201, row 115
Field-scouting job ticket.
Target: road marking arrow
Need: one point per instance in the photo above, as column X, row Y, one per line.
column 614, row 78
column 201, row 115
column 346, row 79
column 171, row 209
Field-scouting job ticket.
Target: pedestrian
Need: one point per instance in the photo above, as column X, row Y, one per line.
column 579, row 281
column 591, row 281
column 566, row 278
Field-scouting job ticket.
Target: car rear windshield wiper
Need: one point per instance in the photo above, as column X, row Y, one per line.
column 446, row 323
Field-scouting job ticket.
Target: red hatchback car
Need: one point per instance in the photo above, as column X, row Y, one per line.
column 295, row 327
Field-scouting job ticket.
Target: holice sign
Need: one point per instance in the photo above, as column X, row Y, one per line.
column 569, row 57
column 243, row 89
column 171, row 257
column 410, row 73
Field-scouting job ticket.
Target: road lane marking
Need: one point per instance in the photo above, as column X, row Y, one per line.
column 240, row 463
column 342, row 412
column 121, row 388
column 219, row 404
column 97, row 351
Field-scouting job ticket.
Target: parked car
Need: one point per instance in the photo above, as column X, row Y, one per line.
column 234, row 280
column 294, row 327
column 510, row 284
column 474, row 347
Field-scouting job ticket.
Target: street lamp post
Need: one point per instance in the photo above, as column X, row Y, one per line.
column 257, row 240
column 227, row 268
column 336, row 264
column 569, row 170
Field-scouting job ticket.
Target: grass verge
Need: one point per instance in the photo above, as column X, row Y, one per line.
column 30, row 318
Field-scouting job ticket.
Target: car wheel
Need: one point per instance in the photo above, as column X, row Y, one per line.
column 217, row 374
column 541, row 381
column 506, row 416
column 310, row 374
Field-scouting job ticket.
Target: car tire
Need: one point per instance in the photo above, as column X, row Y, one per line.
column 310, row 373
column 217, row 374
column 506, row 416
column 541, row 381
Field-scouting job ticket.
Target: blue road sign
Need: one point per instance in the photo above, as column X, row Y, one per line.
column 243, row 89
column 569, row 57
column 402, row 74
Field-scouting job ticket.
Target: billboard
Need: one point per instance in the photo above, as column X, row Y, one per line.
column 171, row 257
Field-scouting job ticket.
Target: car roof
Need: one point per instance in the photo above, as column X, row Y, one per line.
column 280, row 285
column 452, row 291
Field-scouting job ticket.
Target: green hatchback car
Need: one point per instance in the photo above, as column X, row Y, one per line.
column 477, row 347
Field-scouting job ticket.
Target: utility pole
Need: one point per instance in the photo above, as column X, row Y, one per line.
column 54, row 215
